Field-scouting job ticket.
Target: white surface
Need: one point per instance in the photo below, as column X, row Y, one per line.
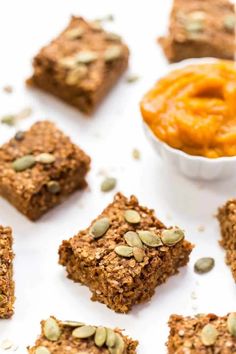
column 42, row 288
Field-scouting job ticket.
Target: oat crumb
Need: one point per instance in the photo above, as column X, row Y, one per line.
column 8, row 89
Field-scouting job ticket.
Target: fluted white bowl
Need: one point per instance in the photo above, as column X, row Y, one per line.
column 194, row 167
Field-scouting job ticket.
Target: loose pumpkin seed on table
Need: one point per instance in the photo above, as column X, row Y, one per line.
column 108, row 184
column 204, row 265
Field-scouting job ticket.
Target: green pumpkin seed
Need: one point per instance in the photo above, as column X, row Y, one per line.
column 124, row 251
column 51, row 329
column 119, row 347
column 194, row 26
column 230, row 23
column 84, row 332
column 19, row 136
column 75, row 33
column 111, row 338
column 8, row 119
column 209, row 335
column 42, row 350
column 149, row 238
column 100, row 336
column 23, row 163
column 204, row 265
column 45, row 158
column 172, row 236
column 132, row 216
column 86, row 57
column 133, row 239
column 72, row 324
column 100, row 227
column 132, row 78
column 138, row 253
column 231, row 324
column 108, row 184
column 75, row 75
column 112, row 53
column 136, row 154
column 53, row 187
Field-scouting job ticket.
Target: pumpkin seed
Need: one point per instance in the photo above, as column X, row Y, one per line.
column 136, row 154
column 108, row 17
column 171, row 237
column 112, row 53
column 86, row 57
column 124, row 251
column 72, row 324
column 110, row 36
column 23, row 163
column 51, row 329
column 209, row 335
column 138, row 253
column 96, row 25
column 76, row 75
column 108, row 184
column 68, row 62
column 75, row 33
column 24, row 113
column 84, row 332
column 19, row 136
column 42, row 350
column 204, row 265
column 230, row 23
column 100, row 227
column 100, row 336
column 197, row 15
column 194, row 26
column 231, row 324
column 133, row 239
column 149, row 238
column 8, row 119
column 132, row 78
column 132, row 216
column 119, row 347
column 45, row 158
column 53, row 187
column 111, row 338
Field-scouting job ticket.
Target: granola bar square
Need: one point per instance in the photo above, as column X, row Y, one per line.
column 124, row 254
column 81, row 65
column 40, row 168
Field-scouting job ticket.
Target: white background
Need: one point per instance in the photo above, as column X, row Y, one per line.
column 42, row 288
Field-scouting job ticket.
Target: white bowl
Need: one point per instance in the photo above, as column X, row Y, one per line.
column 195, row 167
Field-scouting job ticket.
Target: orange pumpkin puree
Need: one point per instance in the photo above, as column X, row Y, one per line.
column 194, row 109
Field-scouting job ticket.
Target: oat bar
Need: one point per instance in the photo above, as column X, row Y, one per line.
column 200, row 28
column 40, row 168
column 7, row 297
column 124, row 254
column 227, row 219
column 202, row 334
column 81, row 65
